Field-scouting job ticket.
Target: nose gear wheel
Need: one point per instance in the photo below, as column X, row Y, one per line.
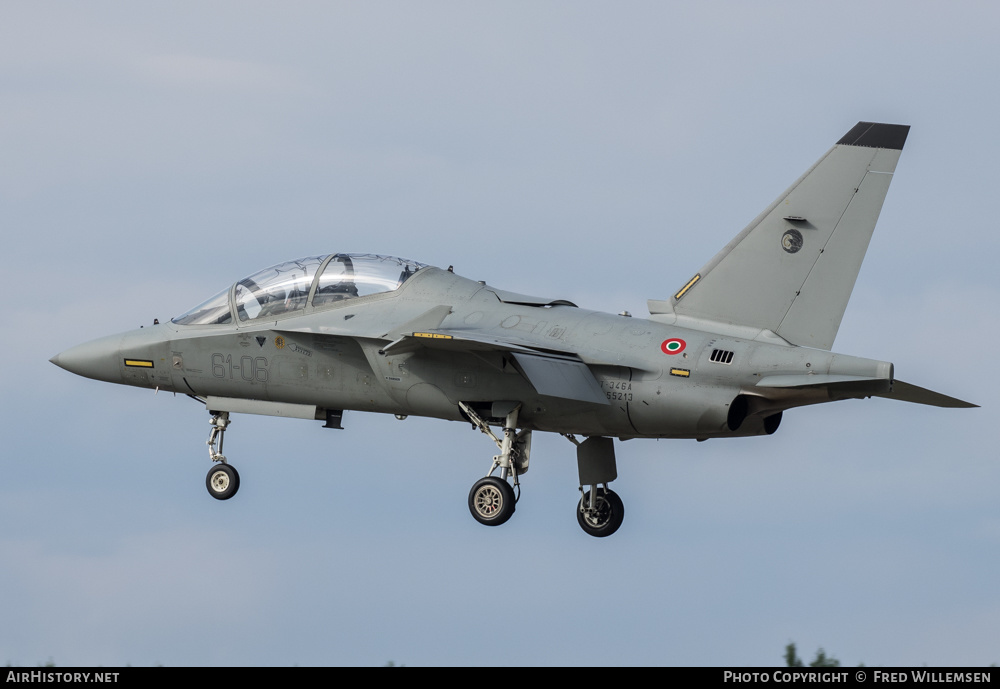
column 222, row 481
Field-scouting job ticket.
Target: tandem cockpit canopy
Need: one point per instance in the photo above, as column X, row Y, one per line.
column 294, row 285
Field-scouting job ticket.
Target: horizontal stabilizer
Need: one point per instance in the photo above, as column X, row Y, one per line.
column 917, row 395
column 809, row 380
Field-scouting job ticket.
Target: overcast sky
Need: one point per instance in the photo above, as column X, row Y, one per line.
column 153, row 153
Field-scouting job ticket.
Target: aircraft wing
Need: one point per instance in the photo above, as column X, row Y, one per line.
column 551, row 373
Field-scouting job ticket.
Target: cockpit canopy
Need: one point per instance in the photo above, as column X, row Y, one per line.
column 293, row 285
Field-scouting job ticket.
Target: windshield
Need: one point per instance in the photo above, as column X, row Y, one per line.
column 211, row 312
column 285, row 288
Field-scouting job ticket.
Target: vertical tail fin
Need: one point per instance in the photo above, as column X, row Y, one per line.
column 793, row 268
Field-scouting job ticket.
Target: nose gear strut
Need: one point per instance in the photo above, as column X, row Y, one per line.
column 219, row 422
column 223, row 480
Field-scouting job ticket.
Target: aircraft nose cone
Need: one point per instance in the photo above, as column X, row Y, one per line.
column 97, row 359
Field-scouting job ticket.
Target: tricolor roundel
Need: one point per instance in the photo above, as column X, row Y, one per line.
column 674, row 345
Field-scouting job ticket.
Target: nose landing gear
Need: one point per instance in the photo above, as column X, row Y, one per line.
column 223, row 480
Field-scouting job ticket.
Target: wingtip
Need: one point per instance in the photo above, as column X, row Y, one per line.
column 876, row 135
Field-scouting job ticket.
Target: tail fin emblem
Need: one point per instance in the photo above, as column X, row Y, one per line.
column 791, row 241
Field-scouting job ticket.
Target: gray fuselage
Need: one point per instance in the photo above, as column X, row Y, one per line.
column 331, row 357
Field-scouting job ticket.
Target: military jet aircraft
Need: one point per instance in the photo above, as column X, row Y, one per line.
column 745, row 338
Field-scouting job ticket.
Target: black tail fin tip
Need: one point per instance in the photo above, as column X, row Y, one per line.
column 876, row 135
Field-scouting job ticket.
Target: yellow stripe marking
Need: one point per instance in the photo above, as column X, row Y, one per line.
column 139, row 362
column 682, row 372
column 688, row 286
column 436, row 336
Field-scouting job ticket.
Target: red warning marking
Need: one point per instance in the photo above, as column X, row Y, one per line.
column 674, row 345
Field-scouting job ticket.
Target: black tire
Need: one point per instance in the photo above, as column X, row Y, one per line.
column 222, row 481
column 491, row 501
column 609, row 516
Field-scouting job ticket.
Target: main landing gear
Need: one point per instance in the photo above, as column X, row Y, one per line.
column 600, row 511
column 492, row 499
column 223, row 480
